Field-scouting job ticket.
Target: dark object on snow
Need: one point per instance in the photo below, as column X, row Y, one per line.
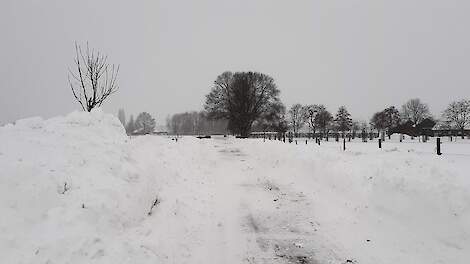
column 241, row 137
column 65, row 188
column 155, row 203
column 203, row 137
column 438, row 146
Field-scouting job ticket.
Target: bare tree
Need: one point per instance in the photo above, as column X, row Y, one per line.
column 241, row 98
column 310, row 113
column 296, row 117
column 144, row 123
column 94, row 79
column 415, row 111
column 355, row 127
column 457, row 114
column 386, row 119
column 323, row 119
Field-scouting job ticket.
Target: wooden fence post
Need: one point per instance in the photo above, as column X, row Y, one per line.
column 438, row 146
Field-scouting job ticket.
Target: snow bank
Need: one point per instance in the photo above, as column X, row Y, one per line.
column 70, row 191
column 401, row 204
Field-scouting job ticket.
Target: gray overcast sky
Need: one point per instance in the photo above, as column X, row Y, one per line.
column 365, row 54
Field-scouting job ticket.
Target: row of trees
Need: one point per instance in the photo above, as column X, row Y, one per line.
column 250, row 102
column 143, row 124
column 456, row 116
column 318, row 118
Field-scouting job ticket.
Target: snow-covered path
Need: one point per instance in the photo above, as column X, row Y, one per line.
column 252, row 202
column 238, row 214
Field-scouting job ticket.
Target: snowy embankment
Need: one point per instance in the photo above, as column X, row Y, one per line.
column 225, row 200
column 401, row 204
column 70, row 190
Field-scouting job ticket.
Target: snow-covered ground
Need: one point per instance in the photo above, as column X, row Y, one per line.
column 75, row 189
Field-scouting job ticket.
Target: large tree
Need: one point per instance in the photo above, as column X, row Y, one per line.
column 457, row 114
column 296, row 117
column 415, row 111
column 93, row 79
column 144, row 123
column 241, row 98
column 343, row 120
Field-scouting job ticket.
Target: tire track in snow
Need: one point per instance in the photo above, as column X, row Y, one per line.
column 273, row 218
column 246, row 217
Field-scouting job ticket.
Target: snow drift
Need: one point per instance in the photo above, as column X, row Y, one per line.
column 69, row 189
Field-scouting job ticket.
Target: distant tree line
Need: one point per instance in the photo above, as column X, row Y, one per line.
column 250, row 102
column 318, row 119
column 195, row 123
column 312, row 118
column 142, row 125
column 413, row 113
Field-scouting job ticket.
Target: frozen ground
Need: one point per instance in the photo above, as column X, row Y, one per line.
column 225, row 200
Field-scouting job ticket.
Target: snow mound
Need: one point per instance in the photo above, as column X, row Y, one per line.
column 68, row 189
column 93, row 125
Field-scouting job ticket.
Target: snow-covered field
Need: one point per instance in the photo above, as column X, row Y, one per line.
column 76, row 189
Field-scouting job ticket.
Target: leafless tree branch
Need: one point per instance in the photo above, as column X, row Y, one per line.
column 94, row 79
